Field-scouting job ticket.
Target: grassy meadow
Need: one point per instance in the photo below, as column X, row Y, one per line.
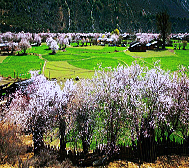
column 83, row 61
column 20, row 65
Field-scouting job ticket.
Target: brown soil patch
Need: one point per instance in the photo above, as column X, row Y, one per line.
column 172, row 51
column 173, row 161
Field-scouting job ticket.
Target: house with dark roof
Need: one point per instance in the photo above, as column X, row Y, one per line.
column 137, row 47
column 142, row 47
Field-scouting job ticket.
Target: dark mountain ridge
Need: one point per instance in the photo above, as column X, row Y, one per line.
column 91, row 15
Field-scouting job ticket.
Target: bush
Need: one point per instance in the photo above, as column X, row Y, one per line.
column 66, row 163
column 184, row 44
column 10, row 145
column 45, row 158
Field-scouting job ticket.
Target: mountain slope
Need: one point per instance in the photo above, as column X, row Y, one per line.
column 90, row 15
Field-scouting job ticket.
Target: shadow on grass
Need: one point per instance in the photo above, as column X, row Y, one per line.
column 52, row 53
column 22, row 54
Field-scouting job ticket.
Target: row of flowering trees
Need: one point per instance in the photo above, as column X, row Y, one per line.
column 57, row 41
column 21, row 41
column 17, row 37
column 127, row 103
column 60, row 40
column 63, row 38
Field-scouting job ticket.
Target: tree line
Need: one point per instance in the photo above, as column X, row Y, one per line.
column 125, row 105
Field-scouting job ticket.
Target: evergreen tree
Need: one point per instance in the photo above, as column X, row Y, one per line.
column 163, row 25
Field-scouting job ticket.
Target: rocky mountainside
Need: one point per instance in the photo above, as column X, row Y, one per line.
column 91, row 15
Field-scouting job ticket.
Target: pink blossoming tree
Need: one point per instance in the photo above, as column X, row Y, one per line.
column 24, row 45
column 39, row 108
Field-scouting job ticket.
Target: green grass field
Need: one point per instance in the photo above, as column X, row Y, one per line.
column 62, row 70
column 20, row 65
column 2, row 58
column 150, row 53
column 83, row 61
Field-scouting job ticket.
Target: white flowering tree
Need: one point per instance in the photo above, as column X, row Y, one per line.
column 64, row 117
column 127, row 101
column 49, row 41
column 1, row 38
column 24, row 45
column 150, row 96
column 54, row 46
column 39, row 108
column 77, row 39
column 66, row 41
column 13, row 46
column 21, row 35
column 178, row 109
column 115, row 37
column 8, row 36
column 83, row 41
column 61, row 40
column 109, row 94
column 140, row 99
column 37, row 39
column 82, row 113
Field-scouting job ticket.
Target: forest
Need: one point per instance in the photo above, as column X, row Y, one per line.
column 90, row 15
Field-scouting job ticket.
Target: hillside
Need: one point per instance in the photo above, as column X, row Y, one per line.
column 90, row 15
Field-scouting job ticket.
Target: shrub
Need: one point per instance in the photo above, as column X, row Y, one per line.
column 66, row 163
column 184, row 44
column 45, row 158
column 10, row 145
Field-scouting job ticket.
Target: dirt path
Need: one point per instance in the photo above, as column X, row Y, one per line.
column 43, row 71
column 40, row 57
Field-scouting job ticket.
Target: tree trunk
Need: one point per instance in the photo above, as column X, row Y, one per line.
column 85, row 145
column 62, row 135
column 62, row 129
column 25, row 50
column 163, row 47
column 38, row 140
column 53, row 52
column 112, row 141
column 38, row 135
column 147, row 147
